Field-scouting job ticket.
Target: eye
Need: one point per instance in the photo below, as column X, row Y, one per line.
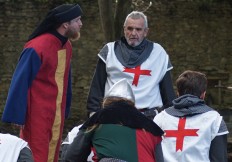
column 138, row 29
column 131, row 29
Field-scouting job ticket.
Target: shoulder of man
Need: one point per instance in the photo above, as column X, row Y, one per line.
column 104, row 51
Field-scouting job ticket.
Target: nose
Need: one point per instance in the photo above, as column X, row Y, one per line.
column 80, row 23
column 134, row 32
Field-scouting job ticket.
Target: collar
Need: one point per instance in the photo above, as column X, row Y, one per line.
column 130, row 56
column 124, row 114
column 188, row 105
column 62, row 38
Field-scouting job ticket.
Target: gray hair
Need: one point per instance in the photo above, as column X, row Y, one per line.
column 137, row 15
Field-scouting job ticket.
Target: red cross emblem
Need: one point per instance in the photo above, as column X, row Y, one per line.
column 181, row 133
column 137, row 71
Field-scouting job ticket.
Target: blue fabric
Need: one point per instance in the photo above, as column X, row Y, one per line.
column 25, row 72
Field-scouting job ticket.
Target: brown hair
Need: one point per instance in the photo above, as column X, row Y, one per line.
column 191, row 82
column 109, row 100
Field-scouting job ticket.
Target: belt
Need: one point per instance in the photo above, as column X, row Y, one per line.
column 159, row 109
column 151, row 112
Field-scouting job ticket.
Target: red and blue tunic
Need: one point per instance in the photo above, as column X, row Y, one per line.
column 40, row 95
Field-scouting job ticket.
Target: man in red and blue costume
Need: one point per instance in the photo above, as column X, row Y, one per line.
column 39, row 97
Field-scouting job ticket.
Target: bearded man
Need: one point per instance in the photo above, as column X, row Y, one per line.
column 39, row 97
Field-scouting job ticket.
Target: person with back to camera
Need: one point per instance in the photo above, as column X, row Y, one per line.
column 118, row 132
column 68, row 140
column 194, row 132
column 144, row 64
column 14, row 149
column 39, row 97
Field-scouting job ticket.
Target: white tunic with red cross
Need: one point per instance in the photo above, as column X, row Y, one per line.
column 144, row 78
column 188, row 139
column 10, row 147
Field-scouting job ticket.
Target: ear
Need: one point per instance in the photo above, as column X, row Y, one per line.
column 65, row 25
column 203, row 95
column 146, row 32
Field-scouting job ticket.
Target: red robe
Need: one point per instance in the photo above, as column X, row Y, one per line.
column 38, row 94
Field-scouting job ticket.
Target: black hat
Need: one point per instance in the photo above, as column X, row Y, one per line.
column 58, row 15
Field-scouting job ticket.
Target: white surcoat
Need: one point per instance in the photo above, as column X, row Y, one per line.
column 144, row 79
column 188, row 139
column 10, row 147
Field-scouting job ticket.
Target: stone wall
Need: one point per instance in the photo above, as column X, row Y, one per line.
column 197, row 36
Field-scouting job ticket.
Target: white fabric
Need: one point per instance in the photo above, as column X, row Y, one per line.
column 71, row 135
column 121, row 89
column 10, row 147
column 195, row 148
column 147, row 92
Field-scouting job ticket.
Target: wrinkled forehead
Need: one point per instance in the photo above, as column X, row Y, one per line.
column 135, row 23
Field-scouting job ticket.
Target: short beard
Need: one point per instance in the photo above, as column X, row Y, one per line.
column 134, row 44
column 73, row 36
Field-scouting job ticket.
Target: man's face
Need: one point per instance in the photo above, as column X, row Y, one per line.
column 73, row 29
column 135, row 31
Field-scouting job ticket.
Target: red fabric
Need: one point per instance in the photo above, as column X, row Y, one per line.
column 146, row 144
column 181, row 133
column 42, row 97
column 137, row 71
column 94, row 158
